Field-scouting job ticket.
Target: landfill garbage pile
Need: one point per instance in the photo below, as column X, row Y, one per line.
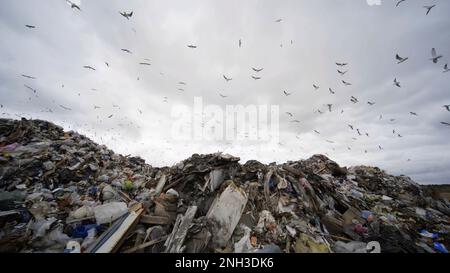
column 61, row 192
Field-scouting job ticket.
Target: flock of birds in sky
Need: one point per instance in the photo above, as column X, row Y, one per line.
column 342, row 69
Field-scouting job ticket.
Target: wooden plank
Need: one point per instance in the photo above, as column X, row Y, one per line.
column 174, row 242
column 155, row 220
column 145, row 245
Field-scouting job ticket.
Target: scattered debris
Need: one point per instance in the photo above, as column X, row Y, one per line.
column 61, row 192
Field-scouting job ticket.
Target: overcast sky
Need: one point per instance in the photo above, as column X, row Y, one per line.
column 322, row 32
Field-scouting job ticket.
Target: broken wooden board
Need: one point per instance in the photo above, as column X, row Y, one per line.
column 113, row 238
column 145, row 245
column 155, row 220
column 224, row 214
column 175, row 241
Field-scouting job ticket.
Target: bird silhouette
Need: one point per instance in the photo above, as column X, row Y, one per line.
column 346, row 83
column 371, row 103
column 30, row 26
column 342, row 72
column 341, row 64
column 28, row 77
column 290, row 114
column 89, row 67
column 192, row 46
column 226, row 78
column 413, row 113
column 399, row 2
column 73, row 5
column 279, row 20
column 428, row 8
column 396, row 83
column 446, row 69
column 148, row 64
column 126, row 15
column 30, row 88
column 351, row 126
column 317, row 132
column 257, row 70
column 445, row 123
column 240, row 42
column 447, row 107
column 316, row 87
column 329, row 107
column 286, row 93
column 256, row 78
column 223, row 96
column 127, row 51
column 65, row 108
column 400, row 59
column 331, row 91
column 435, row 58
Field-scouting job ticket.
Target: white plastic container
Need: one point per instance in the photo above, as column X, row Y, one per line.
column 109, row 212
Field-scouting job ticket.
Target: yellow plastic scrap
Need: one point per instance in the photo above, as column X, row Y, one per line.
column 306, row 244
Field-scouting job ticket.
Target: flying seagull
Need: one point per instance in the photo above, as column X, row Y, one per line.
column 320, row 112
column 126, row 50
column 316, row 87
column 445, row 123
column 399, row 2
column 227, row 79
column 296, row 121
column 65, row 108
column 126, row 15
column 317, row 132
column 73, row 5
column 396, row 83
column 256, row 78
column 447, row 107
column 192, row 46
column 89, row 67
column 279, row 20
column 257, row 70
column 240, row 42
column 428, row 8
column 341, row 64
column 342, row 72
column 107, row 64
column 359, row 133
column 354, row 100
column 371, row 103
column 223, row 96
column 446, row 69
column 183, row 83
column 351, row 126
column 329, row 107
column 286, row 93
column 290, row 114
column 400, row 59
column 331, row 91
column 28, row 77
column 30, row 26
column 148, row 64
column 346, row 83
column 414, row 114
column 435, row 58
column 110, row 116
column 28, row 87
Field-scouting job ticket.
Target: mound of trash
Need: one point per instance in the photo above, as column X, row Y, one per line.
column 61, row 192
